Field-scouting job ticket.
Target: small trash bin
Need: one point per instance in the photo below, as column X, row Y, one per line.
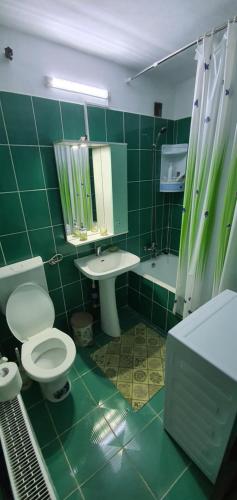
column 82, row 329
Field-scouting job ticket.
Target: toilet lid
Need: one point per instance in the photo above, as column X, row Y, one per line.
column 29, row 311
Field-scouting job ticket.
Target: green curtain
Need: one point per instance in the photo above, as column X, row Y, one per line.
column 75, row 186
column 209, row 221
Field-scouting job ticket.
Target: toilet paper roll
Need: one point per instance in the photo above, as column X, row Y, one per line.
column 10, row 381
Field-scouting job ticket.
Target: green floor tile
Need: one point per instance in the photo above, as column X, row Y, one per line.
column 89, row 444
column 157, row 402
column 192, row 485
column 123, row 420
column 42, row 424
column 75, row 496
column 157, row 457
column 32, row 395
column 99, row 386
column 118, row 479
column 73, row 408
column 83, row 362
column 60, row 472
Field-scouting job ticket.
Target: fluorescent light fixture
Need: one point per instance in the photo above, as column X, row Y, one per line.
column 80, row 88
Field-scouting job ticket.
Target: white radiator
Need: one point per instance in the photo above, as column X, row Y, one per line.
column 26, row 468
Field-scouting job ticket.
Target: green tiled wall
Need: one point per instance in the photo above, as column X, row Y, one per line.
column 181, row 135
column 31, row 220
column 154, row 302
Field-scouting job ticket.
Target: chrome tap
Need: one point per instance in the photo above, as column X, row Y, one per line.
column 98, row 251
column 153, row 249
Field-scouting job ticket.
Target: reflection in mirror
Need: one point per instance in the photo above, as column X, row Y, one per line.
column 87, row 189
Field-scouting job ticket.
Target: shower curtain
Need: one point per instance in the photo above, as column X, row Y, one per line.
column 208, row 243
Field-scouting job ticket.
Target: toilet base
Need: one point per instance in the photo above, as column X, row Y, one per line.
column 57, row 390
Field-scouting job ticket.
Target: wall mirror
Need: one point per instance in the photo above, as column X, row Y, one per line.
column 93, row 189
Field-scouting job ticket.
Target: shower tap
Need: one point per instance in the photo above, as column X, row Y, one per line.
column 153, row 249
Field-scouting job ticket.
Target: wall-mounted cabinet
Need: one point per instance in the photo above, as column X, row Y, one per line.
column 173, row 167
column 93, row 189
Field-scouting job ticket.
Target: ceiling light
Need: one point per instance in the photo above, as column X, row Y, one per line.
column 80, row 88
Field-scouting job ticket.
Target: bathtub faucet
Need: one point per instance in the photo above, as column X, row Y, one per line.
column 153, row 249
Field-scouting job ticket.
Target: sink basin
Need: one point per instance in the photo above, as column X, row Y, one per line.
column 108, row 265
column 106, row 268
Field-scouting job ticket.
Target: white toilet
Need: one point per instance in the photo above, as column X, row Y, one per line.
column 47, row 353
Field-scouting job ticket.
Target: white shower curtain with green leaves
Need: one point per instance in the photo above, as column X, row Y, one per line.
column 208, row 243
column 73, row 169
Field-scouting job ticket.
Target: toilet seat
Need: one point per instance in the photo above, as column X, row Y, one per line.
column 35, row 358
column 29, row 311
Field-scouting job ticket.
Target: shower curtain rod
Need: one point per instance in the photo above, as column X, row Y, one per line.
column 182, row 49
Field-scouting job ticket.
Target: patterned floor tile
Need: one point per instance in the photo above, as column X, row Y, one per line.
column 134, row 363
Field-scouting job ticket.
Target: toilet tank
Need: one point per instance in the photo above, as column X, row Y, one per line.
column 26, row 271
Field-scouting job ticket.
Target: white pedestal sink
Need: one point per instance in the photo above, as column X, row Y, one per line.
column 105, row 269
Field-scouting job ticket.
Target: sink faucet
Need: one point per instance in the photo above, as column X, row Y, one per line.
column 98, row 251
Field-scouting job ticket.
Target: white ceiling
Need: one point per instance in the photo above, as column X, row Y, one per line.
column 130, row 32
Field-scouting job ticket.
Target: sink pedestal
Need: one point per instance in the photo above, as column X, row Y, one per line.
column 108, row 308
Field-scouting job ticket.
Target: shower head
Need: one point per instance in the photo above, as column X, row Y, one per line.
column 160, row 132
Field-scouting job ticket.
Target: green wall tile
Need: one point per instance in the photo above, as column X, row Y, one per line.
column 73, row 295
column 159, row 216
column 159, row 316
column 96, row 120
column 146, row 287
column 3, row 137
column 133, row 165
column 73, row 120
column 134, row 300
column 134, row 280
column 145, row 194
column 48, row 120
column 28, row 167
column 147, row 132
column 172, row 320
column 162, row 138
column 145, row 220
column 133, row 195
column 114, row 123
column 61, row 323
column 160, row 295
column 131, row 125
column 36, row 209
column 55, row 206
column 42, row 243
column 62, row 245
column 133, row 223
column 11, row 220
column 2, row 261
column 176, row 216
column 7, row 177
column 170, row 132
column 174, row 239
column 16, row 247
column 49, row 166
column 146, row 164
column 57, row 298
column 171, row 301
column 133, row 245
column 122, row 296
column 157, row 165
column 145, row 241
column 183, row 129
column 19, row 118
column 69, row 272
column 52, row 276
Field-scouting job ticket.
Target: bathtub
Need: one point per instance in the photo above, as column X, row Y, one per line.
column 162, row 270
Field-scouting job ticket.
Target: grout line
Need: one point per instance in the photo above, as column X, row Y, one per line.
column 176, row 480
column 61, row 119
column 64, row 452
column 4, row 259
column 68, row 496
column 139, row 474
column 16, row 180
column 50, row 215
